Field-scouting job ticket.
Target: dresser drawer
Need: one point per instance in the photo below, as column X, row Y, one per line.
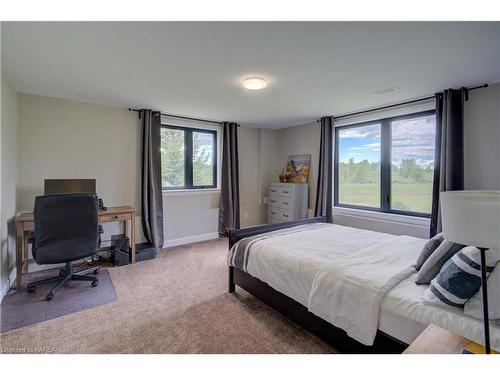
column 280, row 202
column 280, row 191
column 286, row 202
column 276, row 214
column 113, row 217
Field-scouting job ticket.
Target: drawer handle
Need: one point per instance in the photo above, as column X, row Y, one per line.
column 274, row 213
column 273, row 191
column 285, row 215
column 273, row 201
column 115, row 217
column 285, row 191
column 286, row 203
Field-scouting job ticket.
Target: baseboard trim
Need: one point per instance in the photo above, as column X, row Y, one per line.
column 11, row 279
column 190, row 239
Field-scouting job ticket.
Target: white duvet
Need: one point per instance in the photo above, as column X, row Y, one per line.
column 290, row 263
column 349, row 292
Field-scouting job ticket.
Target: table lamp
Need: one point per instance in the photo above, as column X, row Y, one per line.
column 472, row 218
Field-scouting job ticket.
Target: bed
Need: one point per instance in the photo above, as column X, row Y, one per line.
column 353, row 288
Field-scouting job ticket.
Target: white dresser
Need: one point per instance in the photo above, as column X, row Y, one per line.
column 286, row 202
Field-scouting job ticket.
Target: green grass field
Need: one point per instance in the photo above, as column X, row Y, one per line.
column 407, row 197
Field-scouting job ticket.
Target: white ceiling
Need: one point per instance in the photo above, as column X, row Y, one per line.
column 196, row 68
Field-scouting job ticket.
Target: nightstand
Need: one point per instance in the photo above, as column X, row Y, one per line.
column 436, row 340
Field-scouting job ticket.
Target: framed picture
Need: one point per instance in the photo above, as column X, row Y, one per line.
column 297, row 169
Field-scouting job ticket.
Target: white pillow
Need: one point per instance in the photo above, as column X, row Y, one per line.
column 474, row 306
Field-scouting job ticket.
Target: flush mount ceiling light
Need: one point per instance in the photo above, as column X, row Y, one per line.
column 254, row 83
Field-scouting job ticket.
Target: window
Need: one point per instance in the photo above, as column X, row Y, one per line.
column 386, row 165
column 188, row 158
column 359, row 168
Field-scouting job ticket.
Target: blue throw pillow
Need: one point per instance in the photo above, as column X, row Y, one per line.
column 460, row 277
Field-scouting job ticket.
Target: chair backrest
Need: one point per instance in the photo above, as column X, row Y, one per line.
column 66, row 227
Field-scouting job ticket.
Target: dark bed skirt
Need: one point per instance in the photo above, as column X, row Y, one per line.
column 336, row 337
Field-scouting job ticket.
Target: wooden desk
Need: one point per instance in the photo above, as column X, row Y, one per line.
column 24, row 224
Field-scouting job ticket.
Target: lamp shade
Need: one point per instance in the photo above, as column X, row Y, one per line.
column 471, row 217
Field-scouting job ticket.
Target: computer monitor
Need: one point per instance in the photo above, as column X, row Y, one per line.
column 66, row 186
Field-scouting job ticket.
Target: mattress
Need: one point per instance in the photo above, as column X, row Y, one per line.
column 405, row 314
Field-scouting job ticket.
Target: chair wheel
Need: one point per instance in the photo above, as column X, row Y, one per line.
column 94, row 283
column 49, row 297
column 96, row 271
column 31, row 289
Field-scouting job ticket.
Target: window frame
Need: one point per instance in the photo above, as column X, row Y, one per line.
column 385, row 164
column 188, row 158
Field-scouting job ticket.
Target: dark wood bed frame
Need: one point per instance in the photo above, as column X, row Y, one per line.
column 297, row 312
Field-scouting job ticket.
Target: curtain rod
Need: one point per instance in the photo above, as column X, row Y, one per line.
column 182, row 117
column 484, row 85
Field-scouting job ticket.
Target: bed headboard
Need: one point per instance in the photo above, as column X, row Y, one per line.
column 237, row 234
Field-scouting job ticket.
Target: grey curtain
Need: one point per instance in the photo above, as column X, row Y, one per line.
column 324, row 189
column 229, row 206
column 152, row 201
column 449, row 150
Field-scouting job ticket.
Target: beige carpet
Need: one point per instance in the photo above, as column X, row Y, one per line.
column 176, row 303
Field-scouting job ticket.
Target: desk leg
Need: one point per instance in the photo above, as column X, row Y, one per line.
column 25, row 254
column 132, row 237
column 19, row 255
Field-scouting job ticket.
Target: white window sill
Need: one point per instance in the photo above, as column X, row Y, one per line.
column 382, row 216
column 191, row 191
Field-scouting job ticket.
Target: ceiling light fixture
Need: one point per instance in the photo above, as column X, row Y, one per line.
column 254, row 83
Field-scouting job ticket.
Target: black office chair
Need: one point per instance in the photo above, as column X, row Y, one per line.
column 66, row 229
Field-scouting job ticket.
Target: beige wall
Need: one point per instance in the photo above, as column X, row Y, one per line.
column 482, row 139
column 66, row 139
column 61, row 138
column 257, row 159
column 270, row 165
column 8, row 184
column 303, row 139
